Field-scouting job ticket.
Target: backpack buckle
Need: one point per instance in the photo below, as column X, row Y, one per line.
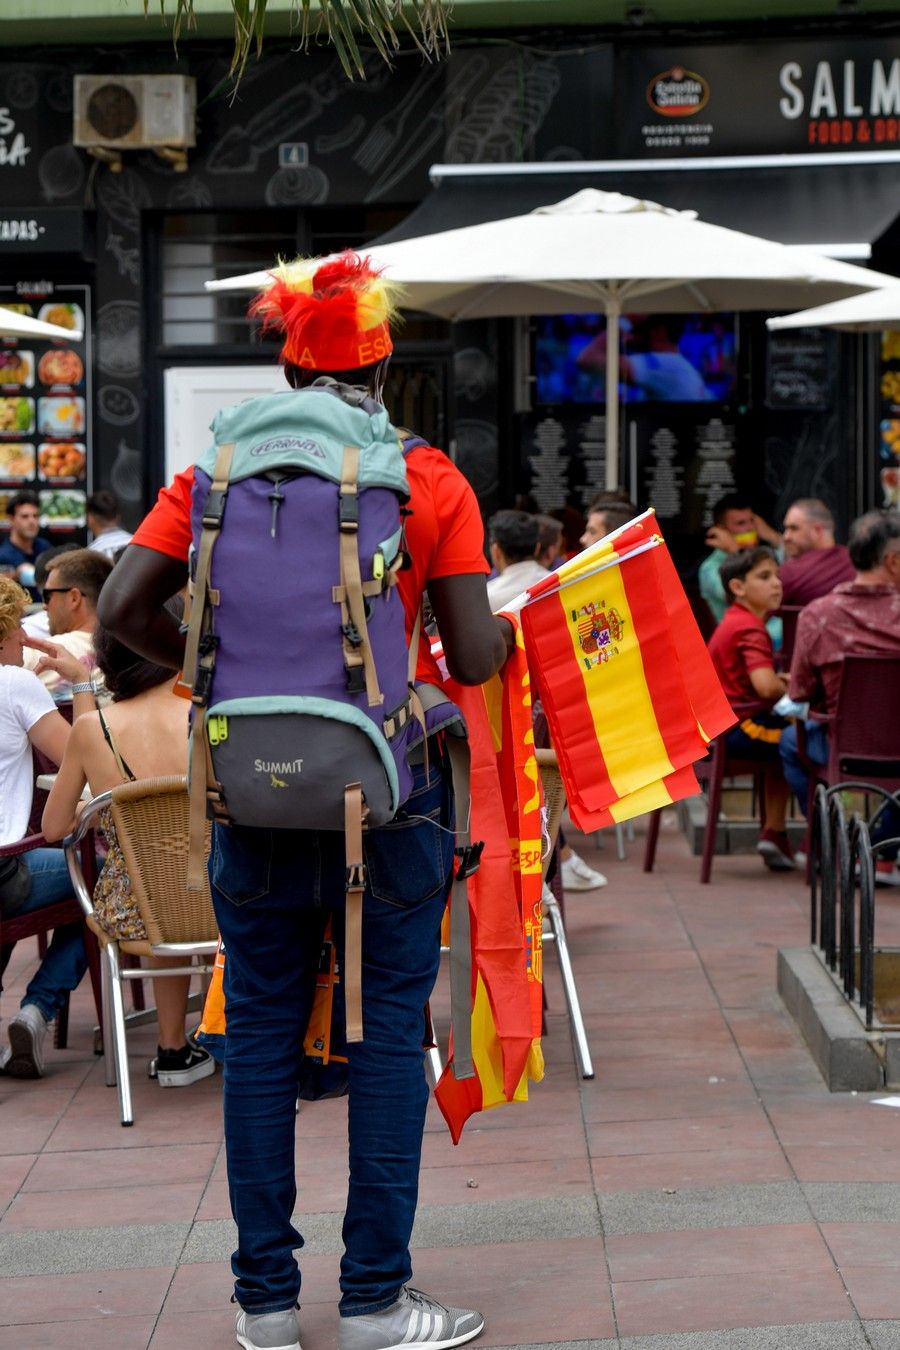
column 355, row 877
column 351, row 633
column 214, row 508
column 202, row 685
column 356, row 679
column 469, row 860
column 208, row 643
column 349, row 517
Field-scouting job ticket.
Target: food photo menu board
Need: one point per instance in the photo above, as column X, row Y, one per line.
column 889, row 427
column 45, row 409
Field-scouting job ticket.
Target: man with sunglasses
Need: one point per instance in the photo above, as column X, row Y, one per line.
column 70, row 595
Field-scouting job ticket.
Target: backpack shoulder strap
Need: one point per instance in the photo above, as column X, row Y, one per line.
column 357, row 647
column 198, row 664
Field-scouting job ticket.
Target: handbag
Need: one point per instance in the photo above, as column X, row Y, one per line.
column 15, row 884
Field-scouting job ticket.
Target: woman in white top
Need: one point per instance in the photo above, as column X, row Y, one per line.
column 28, row 717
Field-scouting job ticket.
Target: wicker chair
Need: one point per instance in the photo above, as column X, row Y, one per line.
column 554, row 802
column 151, row 822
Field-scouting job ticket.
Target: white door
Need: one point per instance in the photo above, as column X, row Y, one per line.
column 193, row 396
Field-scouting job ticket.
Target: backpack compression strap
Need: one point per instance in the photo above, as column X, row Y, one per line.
column 469, row 856
column 199, row 661
column 355, row 886
column 357, row 648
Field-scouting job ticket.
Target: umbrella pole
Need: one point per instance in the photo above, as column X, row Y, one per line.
column 613, row 312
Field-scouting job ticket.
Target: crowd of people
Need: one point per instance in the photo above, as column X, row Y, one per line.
column 98, row 633
column 848, row 600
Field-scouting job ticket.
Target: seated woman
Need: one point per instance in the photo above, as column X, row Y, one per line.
column 143, row 734
column 28, row 717
column 741, row 651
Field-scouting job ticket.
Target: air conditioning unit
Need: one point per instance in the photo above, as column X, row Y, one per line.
column 134, row 112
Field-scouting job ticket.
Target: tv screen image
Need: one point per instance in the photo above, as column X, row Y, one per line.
column 663, row 358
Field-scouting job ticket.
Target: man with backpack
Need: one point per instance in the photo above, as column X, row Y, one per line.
column 339, row 462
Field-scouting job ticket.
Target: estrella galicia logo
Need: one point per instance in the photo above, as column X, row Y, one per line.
column 286, row 444
column 677, row 92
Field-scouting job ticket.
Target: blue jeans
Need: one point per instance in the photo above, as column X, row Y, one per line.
column 887, row 826
column 273, row 891
column 796, row 772
column 65, row 962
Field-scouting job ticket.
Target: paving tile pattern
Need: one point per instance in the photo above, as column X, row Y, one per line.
column 704, row 1190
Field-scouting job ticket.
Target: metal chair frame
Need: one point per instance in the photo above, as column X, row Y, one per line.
column 555, row 800
column 114, row 971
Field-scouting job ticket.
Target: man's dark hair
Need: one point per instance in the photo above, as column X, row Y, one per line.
column 24, row 498
column 47, row 559
column 732, row 501
column 611, row 497
column 737, row 565
column 870, row 538
column 549, row 531
column 124, row 672
column 85, row 568
column 298, row 377
column 516, row 532
column 104, row 505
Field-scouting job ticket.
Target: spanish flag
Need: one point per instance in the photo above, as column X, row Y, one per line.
column 630, row 694
column 504, row 897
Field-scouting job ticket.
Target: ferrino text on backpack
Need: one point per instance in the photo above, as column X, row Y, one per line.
column 304, row 705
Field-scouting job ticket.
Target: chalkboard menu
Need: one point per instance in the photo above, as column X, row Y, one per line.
column 800, row 369
column 683, row 466
column 562, row 456
column 45, row 409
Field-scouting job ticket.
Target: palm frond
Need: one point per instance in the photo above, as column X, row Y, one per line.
column 343, row 23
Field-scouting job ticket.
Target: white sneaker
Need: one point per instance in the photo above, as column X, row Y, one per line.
column 267, row 1331
column 547, row 897
column 27, row 1031
column 414, row 1322
column 577, row 876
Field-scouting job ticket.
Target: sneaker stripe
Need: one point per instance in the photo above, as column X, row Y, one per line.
column 412, row 1329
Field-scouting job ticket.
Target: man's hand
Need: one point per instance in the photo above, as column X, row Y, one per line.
column 766, row 531
column 58, row 659
column 718, row 537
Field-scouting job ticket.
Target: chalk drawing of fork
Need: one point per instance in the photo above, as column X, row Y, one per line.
column 387, row 131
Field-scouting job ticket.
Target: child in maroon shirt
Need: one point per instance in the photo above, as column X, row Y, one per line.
column 742, row 654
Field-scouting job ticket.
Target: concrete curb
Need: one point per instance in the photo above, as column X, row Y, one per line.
column 848, row 1057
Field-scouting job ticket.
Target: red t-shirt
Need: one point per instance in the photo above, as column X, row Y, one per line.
column 740, row 644
column 444, row 534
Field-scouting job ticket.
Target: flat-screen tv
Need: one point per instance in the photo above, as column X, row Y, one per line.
column 663, row 358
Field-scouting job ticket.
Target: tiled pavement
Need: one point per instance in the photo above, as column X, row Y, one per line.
column 703, row 1190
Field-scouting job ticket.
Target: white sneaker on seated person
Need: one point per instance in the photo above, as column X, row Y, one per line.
column 577, row 876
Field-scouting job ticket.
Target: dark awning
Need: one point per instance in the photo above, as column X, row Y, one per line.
column 833, row 203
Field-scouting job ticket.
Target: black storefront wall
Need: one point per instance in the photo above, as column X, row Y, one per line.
column 283, row 142
column 318, row 142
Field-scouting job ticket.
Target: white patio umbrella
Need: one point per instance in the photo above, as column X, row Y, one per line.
column 864, row 313
column 601, row 250
column 13, row 324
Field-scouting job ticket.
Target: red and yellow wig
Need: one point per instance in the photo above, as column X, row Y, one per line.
column 334, row 315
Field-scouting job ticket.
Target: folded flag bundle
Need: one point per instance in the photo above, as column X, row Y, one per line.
column 504, row 897
column 630, row 694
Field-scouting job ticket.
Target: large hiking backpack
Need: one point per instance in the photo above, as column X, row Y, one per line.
column 301, row 675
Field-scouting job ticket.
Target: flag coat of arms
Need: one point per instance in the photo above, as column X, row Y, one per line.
column 631, row 696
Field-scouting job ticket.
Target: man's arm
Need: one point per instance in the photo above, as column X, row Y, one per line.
column 476, row 642
column 131, row 604
column 50, row 734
